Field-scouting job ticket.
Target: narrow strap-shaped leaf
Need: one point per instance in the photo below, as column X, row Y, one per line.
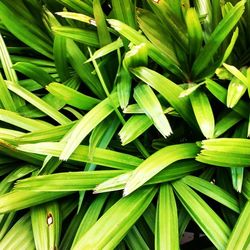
column 71, row 96
column 46, row 223
column 203, row 112
column 78, row 6
column 148, row 101
column 174, row 171
column 86, row 37
column 6, row 97
column 38, row 102
column 102, row 157
column 136, row 38
column 104, row 235
column 194, row 32
column 17, row 200
column 213, row 191
column 90, row 217
column 22, row 29
column 210, row 223
column 221, row 94
column 88, row 123
column 14, row 239
column 217, row 37
column 162, row 85
column 23, row 122
column 134, row 127
column 124, row 81
column 167, row 236
column 77, row 60
column 157, row 162
column 226, row 122
column 102, row 29
column 239, row 238
column 34, row 72
column 225, row 152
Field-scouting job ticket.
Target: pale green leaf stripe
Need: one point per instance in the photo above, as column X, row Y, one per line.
column 17, row 200
column 77, row 16
column 9, row 134
column 87, row 37
column 203, row 112
column 23, row 122
column 88, row 123
column 210, row 223
column 100, row 156
column 217, row 37
column 157, row 162
column 163, row 85
column 148, row 101
column 212, row 191
column 19, row 235
column 5, row 96
column 239, row 238
column 71, row 96
column 167, row 236
column 125, row 212
column 38, row 103
column 45, row 134
column 46, row 223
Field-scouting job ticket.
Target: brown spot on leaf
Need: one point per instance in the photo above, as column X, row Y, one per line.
column 49, row 219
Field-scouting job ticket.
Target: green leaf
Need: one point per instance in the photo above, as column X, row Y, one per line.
column 60, row 57
column 88, row 123
column 90, row 217
column 221, row 94
column 81, row 7
column 239, row 239
column 6, row 97
column 212, row 191
column 167, row 236
column 194, row 32
column 46, row 225
column 102, row 157
column 23, row 122
column 134, row 127
column 102, row 29
column 174, row 171
column 38, row 102
column 84, row 36
column 226, row 122
column 34, row 72
column 17, row 200
column 217, row 37
column 148, row 101
column 124, row 81
column 136, row 38
column 77, row 60
column 210, row 223
column 162, row 85
column 19, row 235
column 157, row 162
column 225, row 152
column 18, row 25
column 203, row 112
column 104, row 233
column 71, row 96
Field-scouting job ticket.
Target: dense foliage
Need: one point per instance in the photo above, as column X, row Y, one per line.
column 124, row 124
